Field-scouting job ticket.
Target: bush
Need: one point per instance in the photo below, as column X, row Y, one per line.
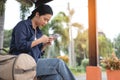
column 84, row 63
column 111, row 63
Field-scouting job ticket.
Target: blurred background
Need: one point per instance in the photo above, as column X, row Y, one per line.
column 70, row 21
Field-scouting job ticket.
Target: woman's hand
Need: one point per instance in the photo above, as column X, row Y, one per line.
column 47, row 43
column 44, row 39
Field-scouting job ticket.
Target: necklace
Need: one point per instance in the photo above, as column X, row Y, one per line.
column 35, row 34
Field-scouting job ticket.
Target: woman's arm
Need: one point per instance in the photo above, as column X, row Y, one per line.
column 44, row 39
column 47, row 44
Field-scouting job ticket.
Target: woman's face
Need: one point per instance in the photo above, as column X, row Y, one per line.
column 43, row 19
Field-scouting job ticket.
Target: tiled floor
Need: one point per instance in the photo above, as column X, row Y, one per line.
column 83, row 76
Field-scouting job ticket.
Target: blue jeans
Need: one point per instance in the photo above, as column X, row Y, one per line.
column 53, row 69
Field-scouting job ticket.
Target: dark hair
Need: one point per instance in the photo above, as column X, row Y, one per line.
column 41, row 9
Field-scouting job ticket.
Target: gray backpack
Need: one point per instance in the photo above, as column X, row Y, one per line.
column 21, row 67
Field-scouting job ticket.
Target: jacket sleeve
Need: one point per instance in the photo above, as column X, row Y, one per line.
column 21, row 34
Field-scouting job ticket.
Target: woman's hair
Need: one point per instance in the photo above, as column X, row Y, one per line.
column 42, row 9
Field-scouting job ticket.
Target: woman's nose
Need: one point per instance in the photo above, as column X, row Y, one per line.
column 46, row 22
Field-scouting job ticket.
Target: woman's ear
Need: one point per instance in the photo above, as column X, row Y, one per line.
column 37, row 14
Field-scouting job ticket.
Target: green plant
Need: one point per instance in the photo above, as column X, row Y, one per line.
column 84, row 64
column 111, row 63
column 75, row 70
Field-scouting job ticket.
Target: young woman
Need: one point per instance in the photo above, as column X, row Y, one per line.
column 28, row 38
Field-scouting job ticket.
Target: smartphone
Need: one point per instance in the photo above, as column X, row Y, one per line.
column 55, row 36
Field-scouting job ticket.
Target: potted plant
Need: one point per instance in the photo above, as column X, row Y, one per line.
column 112, row 66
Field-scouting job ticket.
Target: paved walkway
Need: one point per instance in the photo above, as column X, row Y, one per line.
column 83, row 76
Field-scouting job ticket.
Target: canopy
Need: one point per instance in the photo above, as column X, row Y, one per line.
column 37, row 2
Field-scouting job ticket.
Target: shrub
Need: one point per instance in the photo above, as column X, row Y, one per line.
column 111, row 63
column 84, row 63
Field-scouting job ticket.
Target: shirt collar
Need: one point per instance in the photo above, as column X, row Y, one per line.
column 29, row 22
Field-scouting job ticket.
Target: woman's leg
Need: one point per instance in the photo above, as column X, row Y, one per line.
column 53, row 69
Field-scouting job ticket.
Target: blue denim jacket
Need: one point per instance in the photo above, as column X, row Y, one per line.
column 22, row 36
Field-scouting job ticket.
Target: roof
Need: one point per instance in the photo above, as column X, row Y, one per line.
column 37, row 2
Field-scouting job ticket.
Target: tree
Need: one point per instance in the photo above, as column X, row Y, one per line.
column 72, row 55
column 57, row 25
column 7, row 38
column 117, row 45
column 81, row 46
column 24, row 7
column 2, row 14
column 104, row 45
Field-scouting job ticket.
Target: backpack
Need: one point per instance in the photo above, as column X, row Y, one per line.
column 17, row 67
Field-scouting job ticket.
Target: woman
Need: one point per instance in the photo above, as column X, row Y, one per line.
column 28, row 38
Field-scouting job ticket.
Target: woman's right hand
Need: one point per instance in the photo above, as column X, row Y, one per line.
column 44, row 39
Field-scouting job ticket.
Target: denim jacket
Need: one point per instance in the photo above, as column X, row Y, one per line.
column 22, row 36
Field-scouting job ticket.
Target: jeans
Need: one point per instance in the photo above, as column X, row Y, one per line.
column 53, row 69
